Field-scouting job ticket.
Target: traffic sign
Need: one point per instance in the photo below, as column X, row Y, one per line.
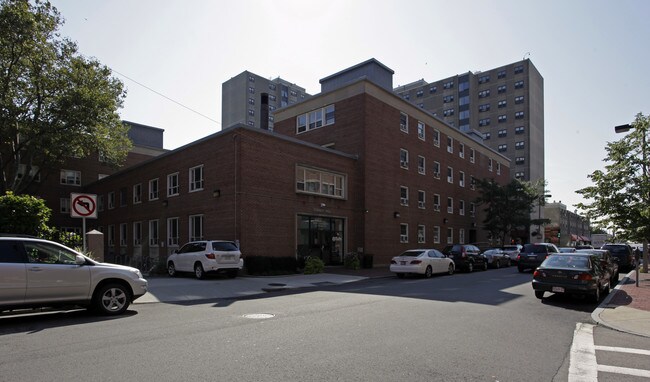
column 83, row 206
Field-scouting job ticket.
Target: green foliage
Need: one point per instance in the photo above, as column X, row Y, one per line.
column 508, row 207
column 313, row 265
column 24, row 214
column 620, row 195
column 54, row 102
column 352, row 261
column 269, row 266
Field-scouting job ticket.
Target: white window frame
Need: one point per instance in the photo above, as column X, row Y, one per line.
column 172, row 237
column 70, row 177
column 404, row 163
column 461, row 207
column 461, row 178
column 436, row 206
column 422, row 165
column 450, row 175
column 173, row 189
column 154, row 229
column 137, row 234
column 422, row 233
column 436, row 169
column 436, row 137
column 123, row 234
column 472, row 156
column 64, row 205
column 450, row 205
column 154, row 192
column 404, row 127
column 193, row 220
column 403, row 233
column 421, row 130
column 310, row 180
column 403, row 195
column 137, row 193
column 450, row 145
column 461, row 150
column 436, row 234
column 196, row 185
column 422, row 198
column 450, row 235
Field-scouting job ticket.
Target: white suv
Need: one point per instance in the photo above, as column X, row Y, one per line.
column 201, row 257
column 41, row 273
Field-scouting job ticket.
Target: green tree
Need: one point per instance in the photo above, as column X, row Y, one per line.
column 24, row 214
column 54, row 103
column 508, row 207
column 620, row 196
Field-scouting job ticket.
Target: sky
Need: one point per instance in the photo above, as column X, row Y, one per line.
column 173, row 57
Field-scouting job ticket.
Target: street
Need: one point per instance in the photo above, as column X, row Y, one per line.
column 483, row 326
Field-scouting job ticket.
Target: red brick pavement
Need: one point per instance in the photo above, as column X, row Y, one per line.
column 632, row 296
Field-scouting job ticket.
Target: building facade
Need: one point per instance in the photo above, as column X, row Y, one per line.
column 566, row 228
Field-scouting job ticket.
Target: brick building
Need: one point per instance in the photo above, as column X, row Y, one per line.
column 354, row 168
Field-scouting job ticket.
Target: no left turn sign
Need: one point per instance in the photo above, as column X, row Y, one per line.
column 83, row 206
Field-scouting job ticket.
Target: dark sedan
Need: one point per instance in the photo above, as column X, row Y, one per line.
column 497, row 258
column 575, row 274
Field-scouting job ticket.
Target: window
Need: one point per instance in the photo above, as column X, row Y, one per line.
column 421, row 165
column 519, row 130
column 421, row 130
column 448, row 99
column 461, row 235
column 153, row 189
column 519, row 145
column 448, row 112
column 436, row 138
column 450, row 145
column 484, row 107
column 450, row 175
column 461, row 150
column 421, row 234
column 172, row 184
column 502, row 103
column 153, row 233
column 519, row 69
column 407, row 97
column 403, row 196
column 472, row 209
column 463, row 115
column 463, row 85
column 172, row 232
column 404, row 122
column 110, row 235
column 421, row 105
column 519, row 175
column 472, row 182
column 137, row 234
column 484, row 122
column 448, row 85
column 484, row 93
column 464, row 100
column 450, row 205
column 272, row 86
column 403, row 158
column 436, row 202
column 490, row 164
column 403, row 233
column 196, row 227
column 461, row 207
column 461, row 178
column 472, row 156
column 64, row 205
column 487, row 136
column 436, row 234
column 519, row 84
column 450, row 236
column 251, row 101
column 503, row 133
column 503, row 148
column 519, row 100
column 436, row 170
column 329, row 115
column 123, row 234
column 520, row 160
column 251, row 90
column 100, row 203
column 196, row 178
column 484, row 79
column 137, row 193
column 433, row 89
column 498, row 168
column 502, row 118
column 519, row 115
column 71, row 177
column 111, row 200
column 421, row 199
column 314, row 119
column 501, row 89
column 501, row 74
column 419, row 93
column 251, row 78
column 314, row 181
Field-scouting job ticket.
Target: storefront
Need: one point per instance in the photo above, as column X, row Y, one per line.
column 322, row 237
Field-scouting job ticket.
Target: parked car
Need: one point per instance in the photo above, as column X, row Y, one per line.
column 512, row 251
column 206, row 256
column 574, row 273
column 606, row 260
column 41, row 273
column 584, row 246
column 624, row 254
column 466, row 257
column 532, row 255
column 567, row 249
column 497, row 258
column 423, row 262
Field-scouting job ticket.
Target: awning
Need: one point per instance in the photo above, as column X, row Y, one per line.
column 574, row 237
column 585, row 238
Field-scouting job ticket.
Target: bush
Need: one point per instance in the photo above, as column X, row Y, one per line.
column 269, row 266
column 23, row 214
column 352, row 261
column 313, row 265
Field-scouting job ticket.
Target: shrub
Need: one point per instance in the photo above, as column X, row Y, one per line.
column 313, row 265
column 352, row 261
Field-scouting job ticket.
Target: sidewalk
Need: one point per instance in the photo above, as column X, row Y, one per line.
column 627, row 308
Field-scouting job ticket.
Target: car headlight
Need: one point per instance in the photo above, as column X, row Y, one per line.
column 137, row 272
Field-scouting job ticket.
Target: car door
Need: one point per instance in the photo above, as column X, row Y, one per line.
column 53, row 275
column 440, row 260
column 183, row 258
column 13, row 272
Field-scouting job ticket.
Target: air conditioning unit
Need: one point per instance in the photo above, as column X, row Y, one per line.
column 450, row 210
column 403, row 238
column 404, row 201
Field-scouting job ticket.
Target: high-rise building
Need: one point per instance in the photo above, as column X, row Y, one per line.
column 504, row 105
column 251, row 99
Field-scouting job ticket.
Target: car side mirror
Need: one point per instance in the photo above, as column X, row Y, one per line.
column 79, row 260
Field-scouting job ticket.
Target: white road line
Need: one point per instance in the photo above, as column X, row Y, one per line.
column 582, row 362
column 623, row 350
column 624, row 370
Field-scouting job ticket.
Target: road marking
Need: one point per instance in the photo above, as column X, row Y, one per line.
column 582, row 361
column 624, row 370
column 623, row 350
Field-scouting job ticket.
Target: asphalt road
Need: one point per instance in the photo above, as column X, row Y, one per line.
column 483, row 326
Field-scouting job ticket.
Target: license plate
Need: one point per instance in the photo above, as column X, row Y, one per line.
column 228, row 257
column 557, row 290
column 402, row 262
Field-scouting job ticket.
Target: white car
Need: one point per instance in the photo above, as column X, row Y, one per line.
column 422, row 261
column 206, row 256
column 41, row 273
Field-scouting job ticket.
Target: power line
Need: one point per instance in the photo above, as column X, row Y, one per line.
column 164, row 96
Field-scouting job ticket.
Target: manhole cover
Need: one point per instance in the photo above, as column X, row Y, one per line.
column 259, row 316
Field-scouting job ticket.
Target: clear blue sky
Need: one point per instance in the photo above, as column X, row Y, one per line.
column 593, row 55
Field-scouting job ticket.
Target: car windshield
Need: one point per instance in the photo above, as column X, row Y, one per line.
column 616, row 249
column 566, row 261
column 225, row 246
column 412, row 253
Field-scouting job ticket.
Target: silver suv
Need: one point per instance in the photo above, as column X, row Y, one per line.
column 41, row 273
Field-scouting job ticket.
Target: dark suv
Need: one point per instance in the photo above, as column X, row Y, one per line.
column 466, row 257
column 532, row 255
column 624, row 254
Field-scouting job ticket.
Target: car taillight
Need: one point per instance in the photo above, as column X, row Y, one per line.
column 537, row 274
column 393, row 262
column 210, row 256
column 416, row 261
column 583, row 277
column 463, row 253
column 518, row 257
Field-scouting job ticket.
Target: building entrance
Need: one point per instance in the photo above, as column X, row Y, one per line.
column 321, row 237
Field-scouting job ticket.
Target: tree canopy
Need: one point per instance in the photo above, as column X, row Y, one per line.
column 54, row 102
column 508, row 207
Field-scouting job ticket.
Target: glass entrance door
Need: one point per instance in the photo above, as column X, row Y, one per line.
column 321, row 237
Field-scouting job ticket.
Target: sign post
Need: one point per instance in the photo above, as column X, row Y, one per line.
column 83, row 206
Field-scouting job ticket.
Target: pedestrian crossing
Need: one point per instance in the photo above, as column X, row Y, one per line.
column 583, row 364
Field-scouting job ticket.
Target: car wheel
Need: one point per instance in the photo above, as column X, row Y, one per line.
column 400, row 275
column 470, row 267
column 112, row 299
column 232, row 273
column 485, row 266
column 198, row 271
column 450, row 270
column 539, row 294
column 428, row 272
column 520, row 269
column 171, row 269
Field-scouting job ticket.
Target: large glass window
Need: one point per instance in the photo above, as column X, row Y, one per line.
column 315, row 181
column 172, row 232
column 321, row 237
column 196, row 227
column 314, row 119
column 71, row 177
